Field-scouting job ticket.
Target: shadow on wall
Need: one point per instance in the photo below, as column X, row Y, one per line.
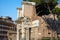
column 53, row 25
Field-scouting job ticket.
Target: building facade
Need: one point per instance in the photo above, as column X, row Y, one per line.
column 7, row 28
column 35, row 33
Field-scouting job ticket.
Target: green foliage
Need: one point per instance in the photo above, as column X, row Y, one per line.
column 46, row 38
column 59, row 17
column 42, row 1
column 49, row 38
column 50, row 1
column 44, row 6
column 56, row 11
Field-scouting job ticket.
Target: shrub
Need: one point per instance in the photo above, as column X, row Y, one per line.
column 46, row 38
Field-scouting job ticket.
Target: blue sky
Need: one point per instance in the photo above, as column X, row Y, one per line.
column 8, row 8
column 59, row 1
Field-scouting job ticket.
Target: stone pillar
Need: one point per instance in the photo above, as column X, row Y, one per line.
column 19, row 11
column 18, row 28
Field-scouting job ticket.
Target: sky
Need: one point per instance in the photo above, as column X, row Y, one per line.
column 8, row 8
column 59, row 1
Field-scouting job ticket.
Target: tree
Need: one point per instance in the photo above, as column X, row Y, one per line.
column 44, row 7
column 57, row 12
column 48, row 5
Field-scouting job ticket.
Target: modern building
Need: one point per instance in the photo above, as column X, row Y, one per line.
column 7, row 28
